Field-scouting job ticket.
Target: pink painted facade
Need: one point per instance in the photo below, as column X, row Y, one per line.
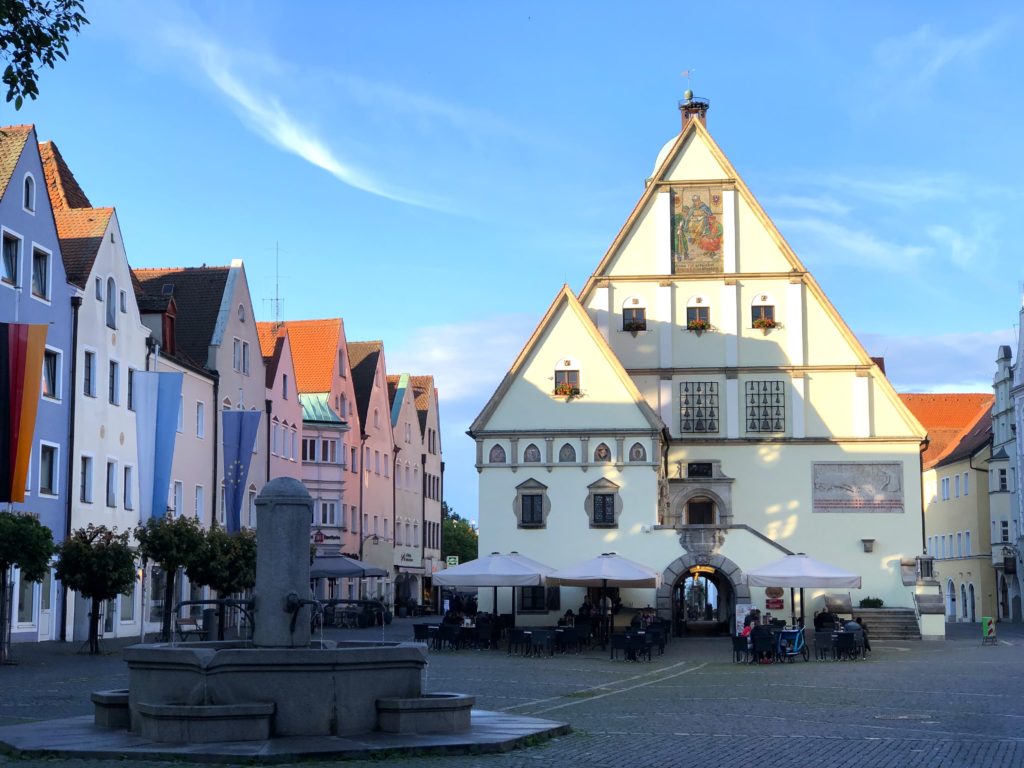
column 285, row 433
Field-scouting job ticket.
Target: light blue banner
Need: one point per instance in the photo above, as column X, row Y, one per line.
column 157, row 398
column 240, row 430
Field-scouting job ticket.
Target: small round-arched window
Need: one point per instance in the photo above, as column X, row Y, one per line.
column 531, row 454
column 698, row 313
column 637, row 452
column 29, row 201
column 602, row 453
column 241, row 313
column 634, row 314
column 567, row 377
column 762, row 311
column 376, row 418
column 567, row 453
column 497, row 455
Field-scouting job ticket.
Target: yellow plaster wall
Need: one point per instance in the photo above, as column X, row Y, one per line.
column 757, row 249
column 695, row 162
column 826, row 344
column 636, row 254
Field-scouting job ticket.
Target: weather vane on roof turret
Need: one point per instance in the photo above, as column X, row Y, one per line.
column 691, row 106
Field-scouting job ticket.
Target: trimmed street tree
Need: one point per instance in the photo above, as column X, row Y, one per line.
column 98, row 564
column 171, row 543
column 26, row 544
column 226, row 563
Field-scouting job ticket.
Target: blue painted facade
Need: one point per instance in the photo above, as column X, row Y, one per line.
column 36, row 230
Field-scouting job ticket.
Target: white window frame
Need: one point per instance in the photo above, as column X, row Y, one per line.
column 47, row 299
column 245, row 358
column 18, row 265
column 110, row 483
column 200, row 419
column 85, row 492
column 114, row 375
column 236, row 355
column 128, row 492
column 110, row 312
column 199, row 501
column 177, row 497
column 59, row 383
column 28, row 185
column 55, row 491
column 181, row 414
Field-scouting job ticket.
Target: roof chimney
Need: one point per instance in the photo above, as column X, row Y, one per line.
column 693, row 107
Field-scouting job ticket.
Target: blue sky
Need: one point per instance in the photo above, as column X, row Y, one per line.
column 434, row 172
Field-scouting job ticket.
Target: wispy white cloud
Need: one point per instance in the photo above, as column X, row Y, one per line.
column 265, row 115
column 968, row 246
column 956, row 362
column 824, row 204
column 916, row 59
column 831, row 241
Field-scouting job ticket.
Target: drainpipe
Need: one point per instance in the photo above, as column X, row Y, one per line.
column 76, row 304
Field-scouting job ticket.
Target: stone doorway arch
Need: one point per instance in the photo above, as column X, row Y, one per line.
column 680, row 567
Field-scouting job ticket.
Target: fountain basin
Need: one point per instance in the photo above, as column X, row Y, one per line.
column 204, row 723
column 430, row 713
column 314, row 691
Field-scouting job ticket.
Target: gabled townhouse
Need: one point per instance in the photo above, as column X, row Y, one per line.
column 432, row 473
column 702, row 407
column 1006, row 503
column 408, row 493
column 34, row 289
column 283, row 439
column 214, row 326
column 956, row 499
column 329, row 419
column 110, row 346
column 376, row 447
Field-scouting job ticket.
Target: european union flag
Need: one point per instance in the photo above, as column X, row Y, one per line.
column 240, row 429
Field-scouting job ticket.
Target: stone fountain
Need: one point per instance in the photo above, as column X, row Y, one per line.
column 282, row 684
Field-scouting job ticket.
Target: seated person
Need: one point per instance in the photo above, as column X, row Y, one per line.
column 568, row 619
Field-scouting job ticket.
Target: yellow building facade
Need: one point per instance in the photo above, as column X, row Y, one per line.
column 702, row 408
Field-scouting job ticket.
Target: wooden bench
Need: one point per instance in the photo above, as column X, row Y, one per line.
column 188, row 627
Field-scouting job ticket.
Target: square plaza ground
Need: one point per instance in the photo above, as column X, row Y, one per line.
column 952, row 703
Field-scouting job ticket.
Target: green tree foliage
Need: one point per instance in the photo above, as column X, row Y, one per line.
column 99, row 564
column 26, row 544
column 225, row 562
column 171, row 543
column 34, row 34
column 458, row 537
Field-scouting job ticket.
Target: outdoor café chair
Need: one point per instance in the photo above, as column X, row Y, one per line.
column 638, row 646
column 740, row 649
column 617, row 643
column 824, row 646
column 846, row 645
column 540, row 642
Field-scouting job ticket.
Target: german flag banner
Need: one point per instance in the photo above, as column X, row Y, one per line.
column 21, row 367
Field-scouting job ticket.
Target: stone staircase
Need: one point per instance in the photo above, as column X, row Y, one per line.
column 889, row 624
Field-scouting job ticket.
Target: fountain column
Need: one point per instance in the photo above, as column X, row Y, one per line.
column 283, row 513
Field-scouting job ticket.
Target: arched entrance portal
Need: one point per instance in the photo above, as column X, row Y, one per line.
column 700, row 598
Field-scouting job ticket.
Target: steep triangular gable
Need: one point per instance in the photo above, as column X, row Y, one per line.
column 694, row 156
column 525, row 399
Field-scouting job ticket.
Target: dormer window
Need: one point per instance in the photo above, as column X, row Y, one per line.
column 29, row 202
column 567, row 378
column 634, row 315
column 762, row 312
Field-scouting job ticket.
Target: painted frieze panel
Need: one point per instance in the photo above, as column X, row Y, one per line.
column 696, row 228
column 858, row 487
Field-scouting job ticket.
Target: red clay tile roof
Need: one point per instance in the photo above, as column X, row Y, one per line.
column 12, row 143
column 362, row 360
column 197, row 292
column 973, row 438
column 271, row 336
column 423, row 388
column 81, row 233
column 60, row 181
column 314, row 346
column 945, row 417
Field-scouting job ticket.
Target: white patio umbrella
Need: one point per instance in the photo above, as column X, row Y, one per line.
column 496, row 570
column 608, row 569
column 341, row 567
column 799, row 571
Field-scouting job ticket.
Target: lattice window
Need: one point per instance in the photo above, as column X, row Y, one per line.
column 698, row 407
column 766, row 406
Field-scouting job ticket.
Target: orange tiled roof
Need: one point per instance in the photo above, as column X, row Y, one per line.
column 945, row 417
column 61, row 185
column 423, row 387
column 81, row 232
column 12, row 144
column 268, row 333
column 314, row 352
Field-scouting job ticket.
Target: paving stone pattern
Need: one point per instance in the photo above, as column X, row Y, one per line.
column 940, row 705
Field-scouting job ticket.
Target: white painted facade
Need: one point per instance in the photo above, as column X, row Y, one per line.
column 730, row 496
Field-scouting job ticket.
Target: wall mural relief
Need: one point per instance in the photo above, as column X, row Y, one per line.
column 858, row 487
column 697, row 229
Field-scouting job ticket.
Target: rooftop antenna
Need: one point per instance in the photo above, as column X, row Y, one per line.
column 688, row 74
column 276, row 301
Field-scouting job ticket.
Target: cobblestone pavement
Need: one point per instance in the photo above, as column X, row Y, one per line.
column 939, row 705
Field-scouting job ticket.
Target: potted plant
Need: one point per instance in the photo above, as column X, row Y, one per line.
column 565, row 389
column 765, row 323
column 699, row 325
column 634, row 326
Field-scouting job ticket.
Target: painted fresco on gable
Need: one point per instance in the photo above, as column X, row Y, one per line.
column 697, row 228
